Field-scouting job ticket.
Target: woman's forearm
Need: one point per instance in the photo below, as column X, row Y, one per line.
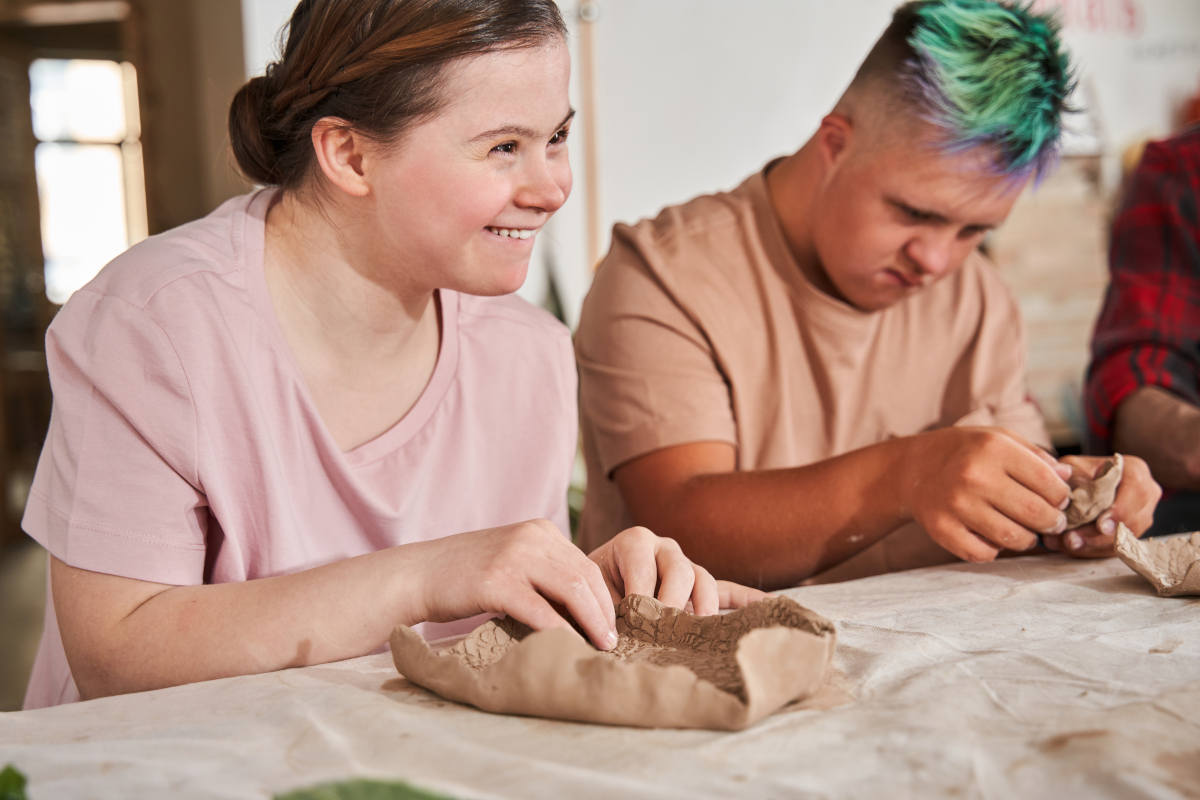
column 123, row 635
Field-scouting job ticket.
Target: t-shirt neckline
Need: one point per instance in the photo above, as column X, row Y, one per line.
column 249, row 248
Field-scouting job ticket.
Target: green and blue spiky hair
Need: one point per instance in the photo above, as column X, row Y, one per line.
column 989, row 74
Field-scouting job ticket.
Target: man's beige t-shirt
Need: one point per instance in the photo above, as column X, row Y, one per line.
column 700, row 326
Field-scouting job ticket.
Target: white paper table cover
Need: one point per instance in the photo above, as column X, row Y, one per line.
column 1027, row 678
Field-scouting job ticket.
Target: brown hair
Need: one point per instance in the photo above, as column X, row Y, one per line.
column 376, row 64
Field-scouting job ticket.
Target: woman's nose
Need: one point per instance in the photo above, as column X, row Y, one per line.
column 545, row 186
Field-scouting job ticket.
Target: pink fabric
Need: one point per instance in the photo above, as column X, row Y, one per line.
column 184, row 447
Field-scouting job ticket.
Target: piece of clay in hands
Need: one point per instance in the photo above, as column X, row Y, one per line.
column 1170, row 564
column 669, row 669
column 1091, row 497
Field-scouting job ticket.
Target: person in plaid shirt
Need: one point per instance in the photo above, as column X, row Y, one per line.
column 1143, row 387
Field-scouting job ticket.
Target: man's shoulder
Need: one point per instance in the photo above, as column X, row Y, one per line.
column 711, row 231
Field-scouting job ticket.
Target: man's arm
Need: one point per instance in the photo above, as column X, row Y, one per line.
column 976, row 491
column 1164, row 430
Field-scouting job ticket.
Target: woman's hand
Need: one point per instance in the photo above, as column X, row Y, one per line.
column 636, row 561
column 1137, row 496
column 518, row 570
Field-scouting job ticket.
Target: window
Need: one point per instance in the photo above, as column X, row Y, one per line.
column 91, row 187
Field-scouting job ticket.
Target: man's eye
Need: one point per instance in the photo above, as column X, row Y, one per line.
column 507, row 147
column 916, row 216
column 560, row 137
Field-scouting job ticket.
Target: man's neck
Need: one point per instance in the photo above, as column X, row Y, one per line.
column 792, row 186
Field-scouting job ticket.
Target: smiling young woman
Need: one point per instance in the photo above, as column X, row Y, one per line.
column 283, row 429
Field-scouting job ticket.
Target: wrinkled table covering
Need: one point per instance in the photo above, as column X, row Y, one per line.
column 1032, row 677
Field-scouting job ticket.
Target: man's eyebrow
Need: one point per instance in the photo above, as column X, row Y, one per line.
column 519, row 131
column 935, row 217
column 932, row 216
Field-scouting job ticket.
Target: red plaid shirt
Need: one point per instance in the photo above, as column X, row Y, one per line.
column 1148, row 333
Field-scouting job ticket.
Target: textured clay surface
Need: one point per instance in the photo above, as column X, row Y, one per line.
column 1091, row 497
column 669, row 668
column 1170, row 564
column 652, row 633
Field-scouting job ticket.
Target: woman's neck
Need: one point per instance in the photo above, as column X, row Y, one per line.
column 365, row 336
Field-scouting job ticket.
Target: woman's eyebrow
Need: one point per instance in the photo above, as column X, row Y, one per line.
column 518, row 130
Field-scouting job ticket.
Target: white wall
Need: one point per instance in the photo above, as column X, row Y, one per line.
column 694, row 95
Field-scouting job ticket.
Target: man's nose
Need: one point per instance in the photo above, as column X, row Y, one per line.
column 932, row 254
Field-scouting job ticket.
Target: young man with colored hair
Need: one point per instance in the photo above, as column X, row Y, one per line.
column 817, row 373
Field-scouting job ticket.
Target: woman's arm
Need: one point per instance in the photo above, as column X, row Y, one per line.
column 123, row 635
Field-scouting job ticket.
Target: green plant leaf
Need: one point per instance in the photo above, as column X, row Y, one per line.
column 359, row 790
column 12, row 784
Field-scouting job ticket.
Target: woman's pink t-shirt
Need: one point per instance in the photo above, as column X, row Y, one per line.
column 184, row 447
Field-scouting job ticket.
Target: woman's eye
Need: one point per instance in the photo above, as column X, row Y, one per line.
column 507, row 147
column 560, row 137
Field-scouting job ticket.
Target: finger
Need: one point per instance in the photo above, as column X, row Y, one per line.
column 1087, row 542
column 603, row 559
column 962, row 542
column 1053, row 543
column 1137, row 497
column 1061, row 469
column 1039, row 477
column 676, row 574
column 570, row 558
column 1029, row 511
column 706, row 598
column 734, row 595
column 583, row 594
column 998, row 529
column 526, row 605
column 634, row 559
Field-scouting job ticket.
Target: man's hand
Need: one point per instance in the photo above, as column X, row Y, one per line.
column 1137, row 496
column 978, row 491
column 636, row 561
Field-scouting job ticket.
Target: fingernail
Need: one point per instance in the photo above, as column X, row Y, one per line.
column 1064, row 471
column 1059, row 526
column 1066, row 502
column 1106, row 525
column 1074, row 541
column 610, row 641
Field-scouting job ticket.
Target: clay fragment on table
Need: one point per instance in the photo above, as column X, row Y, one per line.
column 670, row 669
column 1171, row 564
column 1091, row 497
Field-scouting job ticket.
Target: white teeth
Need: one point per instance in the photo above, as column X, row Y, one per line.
column 512, row 233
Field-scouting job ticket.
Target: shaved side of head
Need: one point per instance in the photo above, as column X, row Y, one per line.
column 959, row 75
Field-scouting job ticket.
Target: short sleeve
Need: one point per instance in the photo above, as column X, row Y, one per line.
column 648, row 376
column 116, row 489
column 996, row 363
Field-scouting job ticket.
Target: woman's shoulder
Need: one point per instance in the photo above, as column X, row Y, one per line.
column 180, row 259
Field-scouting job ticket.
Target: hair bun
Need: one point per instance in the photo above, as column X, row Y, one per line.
column 249, row 121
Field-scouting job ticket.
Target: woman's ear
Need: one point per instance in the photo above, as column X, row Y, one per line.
column 340, row 155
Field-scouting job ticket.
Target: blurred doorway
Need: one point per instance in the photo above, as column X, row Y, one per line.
column 68, row 128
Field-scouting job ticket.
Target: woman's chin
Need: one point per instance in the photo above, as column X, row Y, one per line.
column 497, row 284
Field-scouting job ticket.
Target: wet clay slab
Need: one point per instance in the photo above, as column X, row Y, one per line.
column 670, row 669
column 1170, row 564
column 1091, row 497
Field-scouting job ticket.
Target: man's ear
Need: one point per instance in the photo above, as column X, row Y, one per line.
column 340, row 155
column 833, row 139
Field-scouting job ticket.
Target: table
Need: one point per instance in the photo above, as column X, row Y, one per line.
column 1025, row 678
